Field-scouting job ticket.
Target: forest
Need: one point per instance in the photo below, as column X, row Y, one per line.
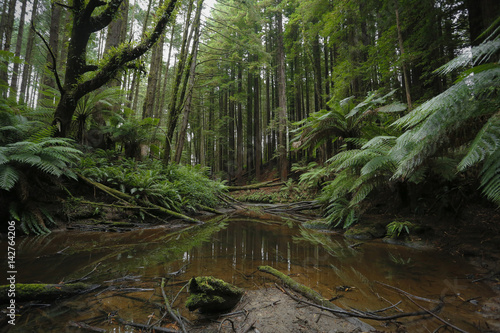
column 390, row 105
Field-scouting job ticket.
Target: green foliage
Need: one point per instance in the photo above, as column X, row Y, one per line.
column 464, row 118
column 395, row 228
column 174, row 187
column 346, row 121
column 31, row 162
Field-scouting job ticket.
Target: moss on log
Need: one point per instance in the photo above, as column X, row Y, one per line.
column 314, row 296
column 130, row 199
column 23, row 292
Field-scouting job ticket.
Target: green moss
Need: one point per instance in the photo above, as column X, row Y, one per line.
column 40, row 291
column 212, row 295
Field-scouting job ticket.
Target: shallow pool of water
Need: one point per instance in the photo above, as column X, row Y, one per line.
column 231, row 248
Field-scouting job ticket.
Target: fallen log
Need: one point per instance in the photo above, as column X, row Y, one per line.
column 324, row 304
column 130, row 199
column 24, row 292
column 270, row 183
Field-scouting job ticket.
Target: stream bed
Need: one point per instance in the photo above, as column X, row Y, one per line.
column 130, row 266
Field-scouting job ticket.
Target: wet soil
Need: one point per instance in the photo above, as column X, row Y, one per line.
column 272, row 310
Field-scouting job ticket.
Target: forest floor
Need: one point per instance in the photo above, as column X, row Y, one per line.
column 272, row 310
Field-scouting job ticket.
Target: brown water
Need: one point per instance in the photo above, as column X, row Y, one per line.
column 231, row 248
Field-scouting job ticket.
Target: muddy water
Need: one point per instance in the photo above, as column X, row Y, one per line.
column 231, row 248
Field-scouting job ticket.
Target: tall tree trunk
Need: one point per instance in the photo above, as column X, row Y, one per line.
column 239, row 128
column 165, row 76
column 192, row 70
column 148, row 108
column 482, row 13
column 174, row 109
column 318, row 83
column 257, row 127
column 19, row 44
column 7, row 27
column 48, row 80
column 28, row 57
column 401, row 48
column 282, row 131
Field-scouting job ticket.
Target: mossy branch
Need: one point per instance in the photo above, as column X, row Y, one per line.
column 130, row 199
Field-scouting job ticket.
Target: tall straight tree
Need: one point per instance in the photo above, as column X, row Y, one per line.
column 82, row 77
column 178, row 92
column 19, row 43
column 192, row 69
column 27, row 66
column 282, row 113
column 48, row 80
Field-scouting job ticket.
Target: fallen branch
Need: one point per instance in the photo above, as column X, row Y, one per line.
column 324, row 304
column 170, row 310
column 436, row 316
column 45, row 292
column 86, row 326
column 129, row 199
column 147, row 327
column 408, row 294
column 269, row 183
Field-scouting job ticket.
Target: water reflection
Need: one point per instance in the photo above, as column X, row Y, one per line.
column 232, row 249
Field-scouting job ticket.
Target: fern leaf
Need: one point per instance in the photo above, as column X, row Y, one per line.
column 8, row 177
column 486, row 142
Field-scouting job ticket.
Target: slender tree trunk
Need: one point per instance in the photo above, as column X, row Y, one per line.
column 401, row 48
column 48, row 77
column 187, row 105
column 148, row 108
column 165, row 77
column 282, row 131
column 257, row 125
column 174, row 109
column 25, row 80
column 239, row 128
column 7, row 27
column 19, row 44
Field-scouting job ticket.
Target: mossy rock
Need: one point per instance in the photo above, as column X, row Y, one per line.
column 209, row 294
column 365, row 232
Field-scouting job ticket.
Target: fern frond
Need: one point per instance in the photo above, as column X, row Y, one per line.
column 486, row 142
column 8, row 177
column 42, row 134
column 379, row 164
column 490, row 177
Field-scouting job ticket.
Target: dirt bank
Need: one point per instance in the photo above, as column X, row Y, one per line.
column 271, row 310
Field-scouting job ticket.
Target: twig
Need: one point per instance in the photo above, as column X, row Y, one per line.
column 184, row 286
column 85, row 326
column 222, row 323
column 409, row 295
column 366, row 316
column 169, row 308
column 437, row 317
column 146, row 327
column 85, row 276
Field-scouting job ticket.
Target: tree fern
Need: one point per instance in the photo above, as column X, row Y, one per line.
column 30, row 162
column 445, row 123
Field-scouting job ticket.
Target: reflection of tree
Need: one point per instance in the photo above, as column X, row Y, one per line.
column 332, row 246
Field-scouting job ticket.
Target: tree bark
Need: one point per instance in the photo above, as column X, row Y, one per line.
column 84, row 24
column 19, row 44
column 47, row 77
column 282, row 131
column 7, row 27
column 192, row 70
column 28, row 58
column 401, row 48
column 174, row 109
